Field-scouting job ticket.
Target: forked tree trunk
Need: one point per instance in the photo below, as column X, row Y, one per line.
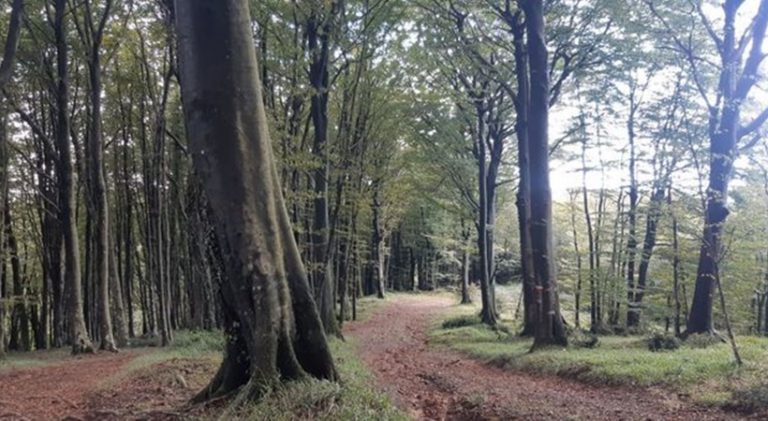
column 78, row 335
column 523, row 164
column 274, row 327
column 550, row 329
column 725, row 131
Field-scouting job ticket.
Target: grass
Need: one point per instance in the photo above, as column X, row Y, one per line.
column 708, row 374
column 21, row 360
column 354, row 398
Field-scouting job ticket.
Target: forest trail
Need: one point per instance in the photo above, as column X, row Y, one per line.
column 57, row 390
column 105, row 386
column 438, row 384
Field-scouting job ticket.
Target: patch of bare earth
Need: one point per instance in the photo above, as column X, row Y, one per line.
column 103, row 387
column 59, row 389
column 439, row 384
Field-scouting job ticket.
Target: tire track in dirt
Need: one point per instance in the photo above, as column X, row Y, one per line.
column 439, row 384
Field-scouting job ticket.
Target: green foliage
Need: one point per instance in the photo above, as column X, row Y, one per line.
column 698, row 340
column 660, row 341
column 584, row 339
column 461, row 321
column 353, row 399
column 199, row 341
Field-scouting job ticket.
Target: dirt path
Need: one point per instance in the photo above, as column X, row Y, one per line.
column 57, row 390
column 104, row 386
column 438, row 384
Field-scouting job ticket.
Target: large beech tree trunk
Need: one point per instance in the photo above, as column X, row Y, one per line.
column 549, row 326
column 274, row 327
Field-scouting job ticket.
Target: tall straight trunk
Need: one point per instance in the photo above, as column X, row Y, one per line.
column 377, row 246
column 78, row 335
column 593, row 307
column 4, row 293
column 320, row 26
column 274, row 327
column 577, row 295
column 632, row 214
column 725, row 127
column 549, row 329
column 617, row 248
column 649, row 242
column 117, row 303
column 488, row 312
column 465, row 263
column 19, row 335
column 675, row 266
column 523, row 166
column 98, row 190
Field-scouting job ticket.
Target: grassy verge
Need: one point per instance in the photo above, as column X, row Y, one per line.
column 354, row 398
column 707, row 374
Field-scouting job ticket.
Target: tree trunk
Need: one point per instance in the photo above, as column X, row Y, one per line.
column 649, row 242
column 550, row 329
column 98, row 190
column 274, row 327
column 632, row 215
column 78, row 335
column 319, row 28
column 523, row 165
column 725, row 126
column 577, row 298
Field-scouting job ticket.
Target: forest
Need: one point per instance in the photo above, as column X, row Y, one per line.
column 383, row 209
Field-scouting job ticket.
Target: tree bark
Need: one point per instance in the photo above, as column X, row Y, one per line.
column 320, row 26
column 78, row 334
column 274, row 327
column 550, row 329
column 649, row 242
column 725, row 126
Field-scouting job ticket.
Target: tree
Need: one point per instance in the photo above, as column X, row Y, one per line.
column 275, row 332
column 91, row 32
column 737, row 76
column 549, row 328
column 79, row 338
column 6, row 72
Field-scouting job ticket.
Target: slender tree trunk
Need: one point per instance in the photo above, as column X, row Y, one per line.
column 99, row 191
column 377, row 246
column 649, row 242
column 632, row 215
column 577, row 297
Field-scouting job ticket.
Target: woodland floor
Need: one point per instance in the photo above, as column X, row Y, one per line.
column 437, row 384
column 425, row 381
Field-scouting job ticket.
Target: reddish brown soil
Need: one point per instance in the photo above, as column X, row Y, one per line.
column 57, row 390
column 438, row 384
column 102, row 387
